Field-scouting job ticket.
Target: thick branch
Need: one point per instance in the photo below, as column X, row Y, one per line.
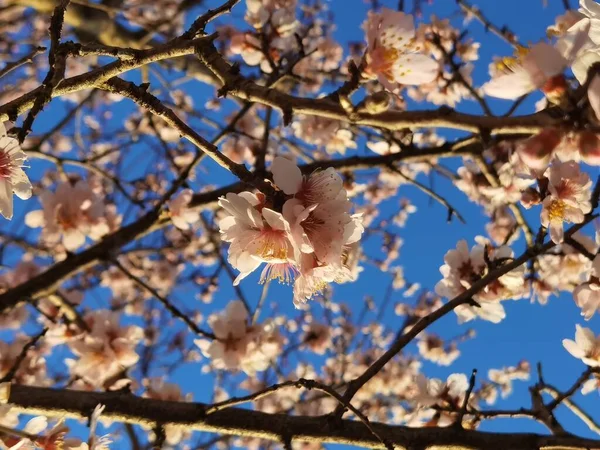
column 123, row 407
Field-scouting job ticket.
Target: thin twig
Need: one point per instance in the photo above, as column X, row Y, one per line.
column 451, row 210
column 166, row 303
column 28, row 58
column 21, row 357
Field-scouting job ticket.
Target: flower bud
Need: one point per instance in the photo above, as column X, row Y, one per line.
column 378, row 102
column 536, row 151
column 589, row 148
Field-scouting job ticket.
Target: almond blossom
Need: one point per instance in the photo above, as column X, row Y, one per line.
column 449, row 394
column 504, row 377
column 325, row 133
column 281, row 14
column 310, row 242
column 568, row 199
column 106, row 350
column 12, row 177
column 587, row 295
column 463, row 267
column 392, row 55
column 257, row 234
column 237, row 344
column 70, row 214
column 181, row 216
column 539, row 67
column 586, row 346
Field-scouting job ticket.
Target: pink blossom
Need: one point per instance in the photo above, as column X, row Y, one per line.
column 392, row 54
column 12, row 177
column 568, row 199
column 587, row 295
column 181, row 216
column 462, row 268
column 325, row 133
column 257, row 234
column 70, row 214
column 536, row 152
column 237, row 344
column 311, row 241
column 540, row 67
column 106, row 349
column 589, row 147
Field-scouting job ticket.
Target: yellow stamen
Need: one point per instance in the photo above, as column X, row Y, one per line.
column 556, row 211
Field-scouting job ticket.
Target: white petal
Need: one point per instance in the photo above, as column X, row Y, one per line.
column 35, row 219
column 287, row 175
column 573, row 348
column 509, row 86
column 274, row 219
column 585, row 339
column 415, row 69
column 6, row 199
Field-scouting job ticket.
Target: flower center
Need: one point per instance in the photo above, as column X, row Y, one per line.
column 273, row 246
column 509, row 63
column 6, row 165
column 556, row 210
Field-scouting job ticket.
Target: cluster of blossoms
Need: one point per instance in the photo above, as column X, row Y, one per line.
column 104, row 351
column 308, row 241
column 434, row 349
column 74, row 212
column 239, row 345
column 463, row 267
column 328, row 134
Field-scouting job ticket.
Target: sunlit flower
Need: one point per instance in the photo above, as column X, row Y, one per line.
column 568, row 199
column 586, row 346
column 72, row 213
column 392, row 53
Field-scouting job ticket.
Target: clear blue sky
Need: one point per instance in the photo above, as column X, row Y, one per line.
column 530, row 331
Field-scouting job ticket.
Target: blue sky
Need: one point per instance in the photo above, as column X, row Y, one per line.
column 530, row 331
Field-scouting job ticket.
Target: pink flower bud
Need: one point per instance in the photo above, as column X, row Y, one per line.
column 589, row 148
column 536, row 151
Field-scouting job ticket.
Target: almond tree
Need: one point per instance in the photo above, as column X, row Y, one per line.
column 165, row 152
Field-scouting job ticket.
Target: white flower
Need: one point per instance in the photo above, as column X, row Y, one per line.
column 392, row 53
column 569, row 197
column 586, row 346
column 181, row 215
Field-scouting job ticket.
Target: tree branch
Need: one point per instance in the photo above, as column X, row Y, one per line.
column 126, row 408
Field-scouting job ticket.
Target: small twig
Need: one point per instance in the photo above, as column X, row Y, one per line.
column 21, row 357
column 55, row 73
column 200, row 23
column 575, row 409
column 28, row 58
column 503, row 32
column 451, row 210
column 568, row 393
column 300, row 383
column 463, row 408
